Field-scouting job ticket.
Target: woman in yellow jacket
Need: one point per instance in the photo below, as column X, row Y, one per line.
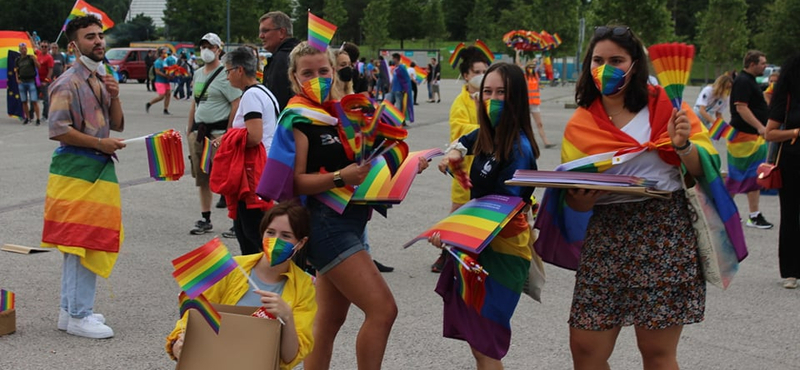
column 285, row 290
column 463, row 120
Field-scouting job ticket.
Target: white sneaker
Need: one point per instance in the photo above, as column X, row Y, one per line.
column 790, row 283
column 89, row 327
column 63, row 318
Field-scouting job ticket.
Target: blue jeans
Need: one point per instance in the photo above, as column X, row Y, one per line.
column 78, row 286
column 27, row 91
column 334, row 237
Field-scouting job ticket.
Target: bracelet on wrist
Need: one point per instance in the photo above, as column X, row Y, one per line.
column 683, row 147
column 686, row 151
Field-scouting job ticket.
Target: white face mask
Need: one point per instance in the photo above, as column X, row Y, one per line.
column 475, row 81
column 89, row 63
column 207, row 55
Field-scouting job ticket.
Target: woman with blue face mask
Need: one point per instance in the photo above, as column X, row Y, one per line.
column 638, row 261
column 502, row 144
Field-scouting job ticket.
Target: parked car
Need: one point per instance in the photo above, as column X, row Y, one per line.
column 129, row 63
column 763, row 80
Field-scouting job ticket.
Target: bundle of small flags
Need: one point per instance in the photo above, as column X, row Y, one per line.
column 165, row 155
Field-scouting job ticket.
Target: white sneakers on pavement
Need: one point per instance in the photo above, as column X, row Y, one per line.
column 92, row 326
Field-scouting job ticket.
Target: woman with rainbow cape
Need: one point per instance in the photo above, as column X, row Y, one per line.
column 636, row 257
column 307, row 158
column 478, row 308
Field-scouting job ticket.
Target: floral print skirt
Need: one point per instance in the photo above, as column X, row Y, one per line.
column 639, row 266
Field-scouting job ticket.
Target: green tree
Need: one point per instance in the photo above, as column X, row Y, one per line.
column 433, row 22
column 723, row 31
column 781, row 31
column 405, row 23
column 649, row 19
column 563, row 22
column 455, row 17
column 684, row 13
column 191, row 19
column 481, row 24
column 140, row 28
column 334, row 12
column 375, row 24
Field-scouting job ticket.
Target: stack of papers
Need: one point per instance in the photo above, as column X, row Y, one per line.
column 588, row 180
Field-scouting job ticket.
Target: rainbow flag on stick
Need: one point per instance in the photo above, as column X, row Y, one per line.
column 201, row 268
column 485, row 50
column 82, row 8
column 476, row 223
column 672, row 63
column 208, row 154
column 721, row 129
column 7, row 300
column 456, row 55
column 320, row 32
column 203, row 306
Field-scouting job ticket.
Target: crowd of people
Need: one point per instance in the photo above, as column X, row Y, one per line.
column 276, row 140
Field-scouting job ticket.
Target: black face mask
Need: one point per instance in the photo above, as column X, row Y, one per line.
column 346, row 74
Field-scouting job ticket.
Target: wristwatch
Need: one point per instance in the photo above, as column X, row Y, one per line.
column 337, row 179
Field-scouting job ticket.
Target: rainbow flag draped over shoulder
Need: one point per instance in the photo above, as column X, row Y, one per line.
column 82, row 8
column 82, row 208
column 9, row 42
column 593, row 144
column 203, row 306
column 201, row 268
column 277, row 179
column 320, row 32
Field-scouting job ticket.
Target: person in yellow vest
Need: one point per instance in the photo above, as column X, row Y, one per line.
column 534, row 100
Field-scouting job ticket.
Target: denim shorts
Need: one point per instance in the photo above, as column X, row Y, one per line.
column 28, row 89
column 334, row 237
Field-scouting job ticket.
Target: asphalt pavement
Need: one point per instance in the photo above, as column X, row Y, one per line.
column 752, row 325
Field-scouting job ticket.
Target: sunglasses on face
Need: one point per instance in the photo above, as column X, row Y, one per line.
column 602, row 31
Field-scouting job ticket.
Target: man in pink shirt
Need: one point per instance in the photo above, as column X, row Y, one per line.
column 46, row 64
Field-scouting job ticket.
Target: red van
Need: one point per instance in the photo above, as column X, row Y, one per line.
column 129, row 63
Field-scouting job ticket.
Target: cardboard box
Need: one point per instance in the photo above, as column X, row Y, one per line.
column 8, row 322
column 244, row 342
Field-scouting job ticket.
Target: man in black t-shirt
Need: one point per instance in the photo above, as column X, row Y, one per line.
column 749, row 116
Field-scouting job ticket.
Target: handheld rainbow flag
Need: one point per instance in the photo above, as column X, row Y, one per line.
column 672, row 63
column 721, row 129
column 391, row 114
column 164, row 154
column 472, row 277
column 201, row 268
column 106, row 69
column 208, row 154
column 457, row 171
column 82, row 8
column 203, row 306
column 320, row 32
column 380, row 187
column 456, row 55
column 473, row 226
column 277, row 250
column 7, row 300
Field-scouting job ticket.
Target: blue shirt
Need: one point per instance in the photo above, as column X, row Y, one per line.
column 488, row 175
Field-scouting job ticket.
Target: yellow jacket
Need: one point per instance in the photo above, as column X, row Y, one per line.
column 463, row 120
column 298, row 292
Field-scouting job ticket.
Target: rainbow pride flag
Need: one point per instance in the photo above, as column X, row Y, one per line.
column 208, row 155
column 9, row 42
column 203, row 306
column 456, row 55
column 82, row 8
column 277, row 250
column 672, row 63
column 721, row 129
column 593, row 144
column 392, row 115
column 485, row 50
column 473, row 226
column 7, row 300
column 745, row 153
column 165, row 155
column 320, row 32
column 82, row 213
column 421, row 73
column 381, row 187
column 201, row 268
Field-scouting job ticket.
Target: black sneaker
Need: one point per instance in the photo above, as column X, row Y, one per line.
column 167, row 113
column 38, row 122
column 222, row 203
column 383, row 268
column 147, row 107
column 230, row 234
column 758, row 222
column 201, row 227
column 26, row 121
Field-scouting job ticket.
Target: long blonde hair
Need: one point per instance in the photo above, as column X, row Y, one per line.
column 722, row 86
column 305, row 49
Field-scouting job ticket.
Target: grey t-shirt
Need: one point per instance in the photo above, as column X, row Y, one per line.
column 215, row 104
column 253, row 299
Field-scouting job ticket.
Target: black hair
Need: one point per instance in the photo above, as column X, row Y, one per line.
column 636, row 93
column 78, row 23
column 515, row 117
column 470, row 56
column 351, row 50
column 790, row 75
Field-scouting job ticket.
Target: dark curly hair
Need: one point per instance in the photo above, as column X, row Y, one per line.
column 470, row 56
column 79, row 23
